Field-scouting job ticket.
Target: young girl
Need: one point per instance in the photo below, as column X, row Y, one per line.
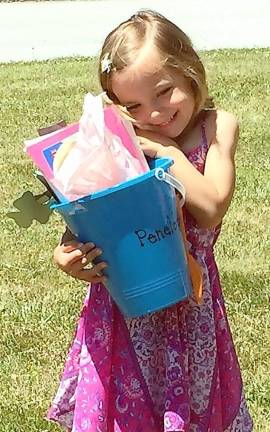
column 173, row 370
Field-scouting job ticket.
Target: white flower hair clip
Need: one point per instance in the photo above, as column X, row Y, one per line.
column 106, row 64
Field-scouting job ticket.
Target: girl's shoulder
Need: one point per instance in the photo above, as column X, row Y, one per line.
column 221, row 129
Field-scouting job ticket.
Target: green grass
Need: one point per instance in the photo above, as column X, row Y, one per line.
column 39, row 305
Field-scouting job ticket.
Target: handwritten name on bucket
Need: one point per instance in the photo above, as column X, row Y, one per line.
column 152, row 237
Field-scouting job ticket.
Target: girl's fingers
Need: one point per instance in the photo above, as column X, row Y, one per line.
column 91, row 255
column 72, row 257
column 91, row 275
column 149, row 148
column 71, row 246
column 76, row 254
column 87, row 276
column 78, row 266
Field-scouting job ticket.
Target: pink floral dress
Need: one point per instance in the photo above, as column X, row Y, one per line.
column 173, row 370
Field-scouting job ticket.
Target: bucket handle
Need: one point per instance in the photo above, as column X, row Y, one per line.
column 160, row 174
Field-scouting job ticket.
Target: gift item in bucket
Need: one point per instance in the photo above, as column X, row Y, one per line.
column 106, row 152
column 98, row 152
column 135, row 223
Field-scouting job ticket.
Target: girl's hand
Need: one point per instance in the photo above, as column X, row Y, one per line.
column 72, row 257
column 155, row 145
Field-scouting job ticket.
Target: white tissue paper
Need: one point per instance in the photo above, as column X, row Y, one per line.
column 105, row 153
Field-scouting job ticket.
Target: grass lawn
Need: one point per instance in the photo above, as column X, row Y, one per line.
column 39, row 305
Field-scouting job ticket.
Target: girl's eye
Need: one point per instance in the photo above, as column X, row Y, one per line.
column 132, row 108
column 165, row 91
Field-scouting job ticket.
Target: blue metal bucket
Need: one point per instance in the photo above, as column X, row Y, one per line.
column 135, row 224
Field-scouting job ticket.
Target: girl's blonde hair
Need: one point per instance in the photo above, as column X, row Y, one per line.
column 121, row 47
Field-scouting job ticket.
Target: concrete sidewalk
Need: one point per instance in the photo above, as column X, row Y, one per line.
column 43, row 30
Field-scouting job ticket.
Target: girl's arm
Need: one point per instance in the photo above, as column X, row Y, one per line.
column 208, row 196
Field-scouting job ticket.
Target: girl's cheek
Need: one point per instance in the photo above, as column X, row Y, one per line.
column 177, row 97
column 140, row 122
column 137, row 117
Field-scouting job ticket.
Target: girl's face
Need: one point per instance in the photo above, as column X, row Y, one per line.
column 159, row 100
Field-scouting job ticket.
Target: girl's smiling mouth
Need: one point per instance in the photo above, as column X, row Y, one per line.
column 167, row 123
